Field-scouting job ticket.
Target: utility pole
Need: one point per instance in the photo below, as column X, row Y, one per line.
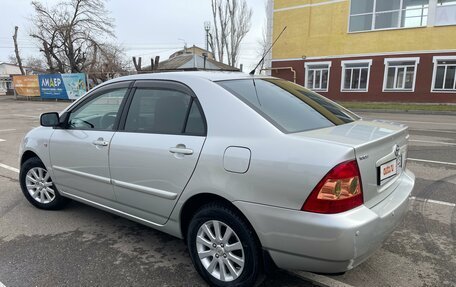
column 207, row 27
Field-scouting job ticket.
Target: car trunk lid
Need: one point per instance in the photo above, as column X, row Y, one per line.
column 380, row 149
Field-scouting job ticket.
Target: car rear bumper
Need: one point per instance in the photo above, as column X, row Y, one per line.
column 328, row 243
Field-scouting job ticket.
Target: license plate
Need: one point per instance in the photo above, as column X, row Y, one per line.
column 389, row 169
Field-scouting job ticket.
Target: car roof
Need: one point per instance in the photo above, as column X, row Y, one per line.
column 209, row 75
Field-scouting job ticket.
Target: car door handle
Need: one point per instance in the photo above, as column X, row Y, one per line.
column 181, row 149
column 100, row 142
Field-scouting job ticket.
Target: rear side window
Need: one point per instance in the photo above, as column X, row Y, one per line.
column 164, row 111
column 195, row 122
column 291, row 108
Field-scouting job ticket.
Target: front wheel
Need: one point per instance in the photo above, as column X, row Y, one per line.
column 223, row 247
column 37, row 186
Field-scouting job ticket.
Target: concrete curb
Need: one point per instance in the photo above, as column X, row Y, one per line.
column 417, row 112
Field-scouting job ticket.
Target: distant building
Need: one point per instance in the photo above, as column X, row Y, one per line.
column 193, row 63
column 192, row 59
column 368, row 50
column 7, row 71
column 194, row 50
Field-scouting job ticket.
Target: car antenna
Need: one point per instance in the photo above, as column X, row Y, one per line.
column 262, row 59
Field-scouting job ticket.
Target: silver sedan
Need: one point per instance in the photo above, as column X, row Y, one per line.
column 251, row 172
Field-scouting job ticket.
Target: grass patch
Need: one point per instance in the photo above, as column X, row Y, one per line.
column 398, row 106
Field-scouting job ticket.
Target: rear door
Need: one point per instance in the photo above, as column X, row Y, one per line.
column 154, row 154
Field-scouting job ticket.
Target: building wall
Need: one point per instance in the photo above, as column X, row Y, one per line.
column 322, row 30
column 317, row 30
column 423, row 82
column 9, row 69
column 6, row 73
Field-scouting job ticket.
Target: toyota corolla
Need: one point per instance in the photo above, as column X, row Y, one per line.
column 250, row 171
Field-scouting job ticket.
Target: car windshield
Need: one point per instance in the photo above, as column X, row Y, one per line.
column 288, row 106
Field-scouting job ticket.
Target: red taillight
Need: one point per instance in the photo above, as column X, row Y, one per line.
column 340, row 190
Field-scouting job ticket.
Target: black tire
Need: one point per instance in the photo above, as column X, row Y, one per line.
column 57, row 202
column 252, row 271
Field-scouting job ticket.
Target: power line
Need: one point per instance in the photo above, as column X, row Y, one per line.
column 152, row 48
column 21, row 47
column 156, row 52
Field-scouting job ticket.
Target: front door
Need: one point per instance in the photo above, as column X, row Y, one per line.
column 79, row 151
column 153, row 155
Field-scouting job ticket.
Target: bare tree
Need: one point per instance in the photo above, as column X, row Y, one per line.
column 34, row 63
column 107, row 61
column 16, row 51
column 264, row 42
column 137, row 64
column 232, row 21
column 12, row 59
column 71, row 35
column 154, row 64
column 240, row 18
column 220, row 18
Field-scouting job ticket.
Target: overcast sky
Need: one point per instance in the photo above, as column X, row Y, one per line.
column 144, row 27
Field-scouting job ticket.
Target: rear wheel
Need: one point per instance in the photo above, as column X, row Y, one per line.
column 37, row 186
column 223, row 247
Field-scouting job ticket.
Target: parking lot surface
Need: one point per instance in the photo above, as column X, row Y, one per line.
column 83, row 246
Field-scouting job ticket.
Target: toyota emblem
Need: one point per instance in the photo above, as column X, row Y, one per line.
column 396, row 150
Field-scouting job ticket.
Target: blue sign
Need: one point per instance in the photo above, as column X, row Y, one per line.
column 62, row 86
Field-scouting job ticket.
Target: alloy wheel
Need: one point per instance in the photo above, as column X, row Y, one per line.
column 39, row 185
column 220, row 250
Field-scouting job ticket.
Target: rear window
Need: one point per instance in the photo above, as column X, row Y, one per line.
column 290, row 107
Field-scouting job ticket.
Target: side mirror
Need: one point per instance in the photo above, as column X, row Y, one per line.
column 50, row 119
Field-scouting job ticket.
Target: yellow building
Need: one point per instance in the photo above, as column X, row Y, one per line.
column 378, row 50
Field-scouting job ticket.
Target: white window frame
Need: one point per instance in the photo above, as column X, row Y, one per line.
column 437, row 7
column 374, row 12
column 387, row 61
column 342, row 82
column 435, row 60
column 308, row 67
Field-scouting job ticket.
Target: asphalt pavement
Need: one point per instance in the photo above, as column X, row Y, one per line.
column 83, row 246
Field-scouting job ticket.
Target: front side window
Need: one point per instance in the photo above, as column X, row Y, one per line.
column 366, row 15
column 289, row 107
column 444, row 74
column 99, row 113
column 355, row 75
column 400, row 74
column 164, row 111
column 317, row 76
